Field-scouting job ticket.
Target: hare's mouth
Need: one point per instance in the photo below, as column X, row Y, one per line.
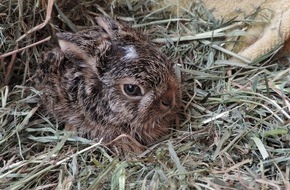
column 172, row 112
column 151, row 130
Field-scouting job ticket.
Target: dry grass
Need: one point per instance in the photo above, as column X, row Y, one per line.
column 235, row 128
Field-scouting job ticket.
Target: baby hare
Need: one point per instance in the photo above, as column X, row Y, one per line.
column 109, row 80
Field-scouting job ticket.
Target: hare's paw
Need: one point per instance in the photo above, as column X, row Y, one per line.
column 125, row 144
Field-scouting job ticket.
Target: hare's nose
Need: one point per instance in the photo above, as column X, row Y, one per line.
column 167, row 101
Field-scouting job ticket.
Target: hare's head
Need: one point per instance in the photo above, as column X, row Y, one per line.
column 129, row 84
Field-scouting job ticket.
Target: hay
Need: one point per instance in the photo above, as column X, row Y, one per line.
column 234, row 131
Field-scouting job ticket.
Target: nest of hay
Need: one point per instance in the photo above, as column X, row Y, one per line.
column 234, row 132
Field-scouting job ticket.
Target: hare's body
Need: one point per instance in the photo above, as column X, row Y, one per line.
column 107, row 81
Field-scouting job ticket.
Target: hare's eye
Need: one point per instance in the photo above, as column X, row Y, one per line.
column 132, row 90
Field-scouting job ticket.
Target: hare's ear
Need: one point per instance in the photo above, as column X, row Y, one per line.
column 119, row 29
column 74, row 48
column 111, row 27
column 84, row 52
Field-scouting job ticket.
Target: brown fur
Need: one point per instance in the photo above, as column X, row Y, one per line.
column 82, row 83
